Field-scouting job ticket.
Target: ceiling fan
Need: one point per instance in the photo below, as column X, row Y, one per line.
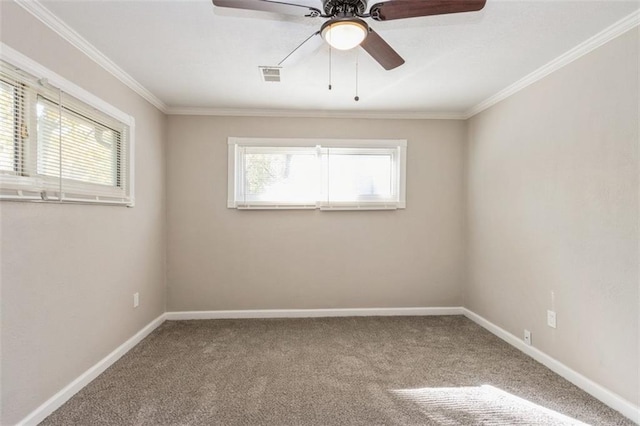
column 345, row 28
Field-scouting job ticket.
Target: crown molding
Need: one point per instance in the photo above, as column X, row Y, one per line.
column 604, row 36
column 62, row 29
column 242, row 112
column 43, row 14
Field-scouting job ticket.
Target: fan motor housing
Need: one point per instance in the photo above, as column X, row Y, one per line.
column 344, row 7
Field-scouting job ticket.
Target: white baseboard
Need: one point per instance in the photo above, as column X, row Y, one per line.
column 56, row 401
column 626, row 408
column 313, row 313
column 613, row 400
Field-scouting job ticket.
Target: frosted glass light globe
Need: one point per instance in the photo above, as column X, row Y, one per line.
column 345, row 35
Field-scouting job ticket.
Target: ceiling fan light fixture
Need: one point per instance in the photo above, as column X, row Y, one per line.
column 344, row 34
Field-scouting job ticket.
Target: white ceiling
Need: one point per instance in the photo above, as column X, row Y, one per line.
column 192, row 54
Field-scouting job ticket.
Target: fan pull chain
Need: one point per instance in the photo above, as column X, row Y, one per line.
column 330, row 50
column 357, row 98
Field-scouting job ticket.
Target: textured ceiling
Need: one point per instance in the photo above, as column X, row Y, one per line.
column 192, row 54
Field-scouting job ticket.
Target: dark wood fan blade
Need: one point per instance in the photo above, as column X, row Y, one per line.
column 381, row 51
column 270, row 6
column 399, row 9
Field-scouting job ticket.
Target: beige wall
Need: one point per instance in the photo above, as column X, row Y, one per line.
column 545, row 191
column 68, row 272
column 553, row 208
column 220, row 258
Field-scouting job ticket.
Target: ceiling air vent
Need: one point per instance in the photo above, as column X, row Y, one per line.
column 270, row 74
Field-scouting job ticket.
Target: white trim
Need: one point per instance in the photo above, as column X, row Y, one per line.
column 611, row 399
column 338, row 206
column 255, row 206
column 66, row 32
column 37, row 70
column 604, row 36
column 232, row 155
column 396, row 148
column 43, row 14
column 240, row 112
column 312, row 142
column 132, row 164
column 56, row 401
column 313, row 313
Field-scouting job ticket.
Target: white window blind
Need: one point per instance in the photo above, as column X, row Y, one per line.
column 325, row 174
column 57, row 147
column 8, row 126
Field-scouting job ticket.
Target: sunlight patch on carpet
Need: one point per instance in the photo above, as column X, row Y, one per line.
column 480, row 405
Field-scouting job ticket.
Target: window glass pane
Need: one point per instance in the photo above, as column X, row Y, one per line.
column 359, row 177
column 61, row 146
column 345, row 175
column 7, row 126
column 89, row 149
column 286, row 176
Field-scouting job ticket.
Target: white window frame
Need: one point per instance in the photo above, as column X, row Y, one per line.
column 37, row 188
column 397, row 147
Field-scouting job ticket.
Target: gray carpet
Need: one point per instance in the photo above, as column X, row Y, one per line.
column 329, row 371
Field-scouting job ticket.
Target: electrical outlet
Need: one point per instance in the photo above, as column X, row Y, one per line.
column 551, row 319
column 136, row 299
column 527, row 337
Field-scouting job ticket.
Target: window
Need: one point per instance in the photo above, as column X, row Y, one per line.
column 310, row 173
column 60, row 143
